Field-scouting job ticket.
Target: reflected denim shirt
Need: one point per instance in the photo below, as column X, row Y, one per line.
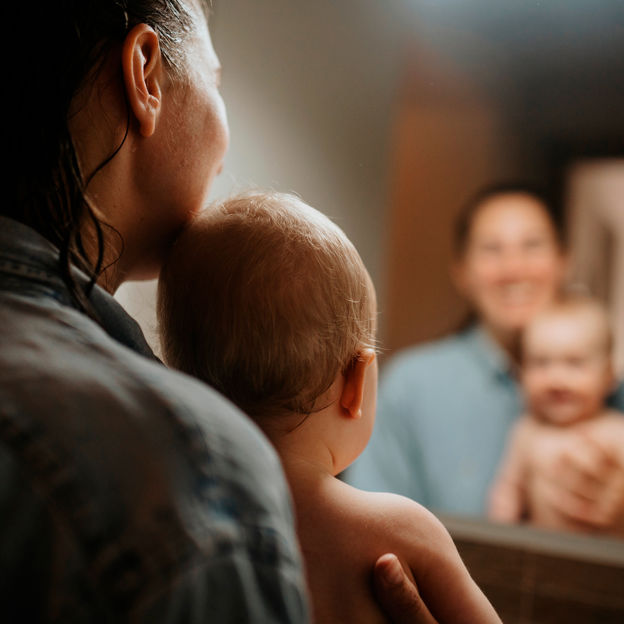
column 128, row 492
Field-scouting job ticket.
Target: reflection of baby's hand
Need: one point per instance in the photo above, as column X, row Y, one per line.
column 505, row 503
column 586, row 485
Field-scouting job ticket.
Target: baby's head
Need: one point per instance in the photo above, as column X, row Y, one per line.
column 267, row 300
column 567, row 369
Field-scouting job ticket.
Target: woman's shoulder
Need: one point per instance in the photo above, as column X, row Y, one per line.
column 59, row 366
column 116, row 441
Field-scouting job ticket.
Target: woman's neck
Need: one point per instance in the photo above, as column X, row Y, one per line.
column 507, row 340
column 111, row 246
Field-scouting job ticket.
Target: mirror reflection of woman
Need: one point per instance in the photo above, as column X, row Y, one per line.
column 445, row 409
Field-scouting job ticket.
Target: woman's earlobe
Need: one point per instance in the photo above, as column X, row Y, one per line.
column 142, row 68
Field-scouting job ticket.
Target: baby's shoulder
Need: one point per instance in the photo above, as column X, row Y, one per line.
column 401, row 523
column 609, row 426
column 525, row 427
column 387, row 505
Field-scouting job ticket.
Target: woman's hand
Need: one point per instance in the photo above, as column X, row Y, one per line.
column 397, row 595
column 586, row 487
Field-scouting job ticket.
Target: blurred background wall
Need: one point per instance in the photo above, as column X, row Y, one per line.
column 492, row 92
column 310, row 89
column 388, row 115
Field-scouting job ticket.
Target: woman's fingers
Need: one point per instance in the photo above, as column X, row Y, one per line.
column 586, row 486
column 397, row 594
column 587, row 465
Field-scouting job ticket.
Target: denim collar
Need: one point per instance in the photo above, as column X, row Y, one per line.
column 27, row 256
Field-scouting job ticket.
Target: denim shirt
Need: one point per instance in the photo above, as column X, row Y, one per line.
column 128, row 492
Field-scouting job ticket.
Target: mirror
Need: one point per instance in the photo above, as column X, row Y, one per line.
column 489, row 92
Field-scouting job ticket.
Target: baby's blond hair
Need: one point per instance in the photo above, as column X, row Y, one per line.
column 267, row 300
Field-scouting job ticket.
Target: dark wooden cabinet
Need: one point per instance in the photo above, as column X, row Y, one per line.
column 542, row 577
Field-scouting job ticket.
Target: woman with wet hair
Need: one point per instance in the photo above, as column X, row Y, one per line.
column 128, row 491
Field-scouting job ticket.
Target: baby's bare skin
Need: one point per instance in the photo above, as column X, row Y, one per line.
column 564, row 465
column 343, row 531
column 533, row 466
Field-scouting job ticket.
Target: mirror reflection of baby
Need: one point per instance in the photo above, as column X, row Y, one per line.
column 266, row 299
column 567, row 373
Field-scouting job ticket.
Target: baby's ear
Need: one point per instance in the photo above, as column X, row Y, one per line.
column 354, row 378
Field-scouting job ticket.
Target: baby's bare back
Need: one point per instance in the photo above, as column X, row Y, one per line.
column 340, row 542
column 343, row 531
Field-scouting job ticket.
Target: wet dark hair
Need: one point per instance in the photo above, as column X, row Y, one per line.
column 466, row 217
column 62, row 45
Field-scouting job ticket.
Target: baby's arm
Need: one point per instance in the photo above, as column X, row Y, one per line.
column 507, row 494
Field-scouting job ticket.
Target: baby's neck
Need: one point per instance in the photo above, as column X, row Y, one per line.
column 308, row 446
column 603, row 412
column 304, row 458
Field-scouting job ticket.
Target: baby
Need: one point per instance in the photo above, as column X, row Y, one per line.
column 567, row 374
column 266, row 299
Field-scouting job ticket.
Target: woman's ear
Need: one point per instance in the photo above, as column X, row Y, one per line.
column 353, row 388
column 142, row 68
